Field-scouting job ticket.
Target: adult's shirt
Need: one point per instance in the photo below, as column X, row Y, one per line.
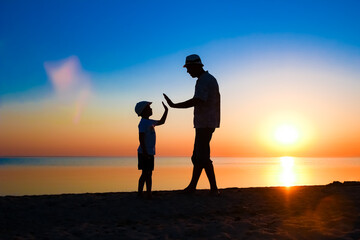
column 207, row 113
column 147, row 126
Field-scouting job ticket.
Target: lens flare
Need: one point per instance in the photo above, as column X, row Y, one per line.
column 70, row 82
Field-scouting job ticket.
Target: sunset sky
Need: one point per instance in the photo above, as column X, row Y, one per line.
column 71, row 73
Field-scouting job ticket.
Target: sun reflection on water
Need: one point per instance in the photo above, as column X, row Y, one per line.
column 287, row 176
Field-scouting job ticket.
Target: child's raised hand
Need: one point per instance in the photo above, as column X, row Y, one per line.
column 166, row 108
column 168, row 100
column 163, row 118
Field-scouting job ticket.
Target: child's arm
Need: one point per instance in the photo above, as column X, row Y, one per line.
column 163, row 118
column 142, row 143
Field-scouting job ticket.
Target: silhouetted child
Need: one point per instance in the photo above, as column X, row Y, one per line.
column 147, row 138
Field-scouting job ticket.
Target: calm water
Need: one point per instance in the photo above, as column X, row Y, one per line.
column 32, row 176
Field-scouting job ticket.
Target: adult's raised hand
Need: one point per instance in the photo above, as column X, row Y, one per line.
column 168, row 100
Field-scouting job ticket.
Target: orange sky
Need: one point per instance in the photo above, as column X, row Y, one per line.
column 260, row 91
column 47, row 129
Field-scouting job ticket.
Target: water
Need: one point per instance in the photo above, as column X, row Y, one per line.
column 57, row 175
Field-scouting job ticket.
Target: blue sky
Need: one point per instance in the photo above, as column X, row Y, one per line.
column 109, row 36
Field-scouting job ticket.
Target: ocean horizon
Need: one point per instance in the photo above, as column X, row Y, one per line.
column 59, row 175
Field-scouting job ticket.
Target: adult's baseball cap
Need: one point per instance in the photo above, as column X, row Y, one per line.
column 140, row 106
column 193, row 59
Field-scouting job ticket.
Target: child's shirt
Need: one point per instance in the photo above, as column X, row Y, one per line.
column 147, row 126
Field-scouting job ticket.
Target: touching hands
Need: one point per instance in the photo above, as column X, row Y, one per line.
column 165, row 107
column 168, row 100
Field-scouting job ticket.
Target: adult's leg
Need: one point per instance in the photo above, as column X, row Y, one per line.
column 197, row 168
column 194, row 179
column 210, row 173
column 205, row 156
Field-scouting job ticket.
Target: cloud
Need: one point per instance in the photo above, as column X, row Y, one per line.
column 70, row 82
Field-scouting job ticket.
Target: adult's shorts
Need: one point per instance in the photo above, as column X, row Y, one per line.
column 201, row 153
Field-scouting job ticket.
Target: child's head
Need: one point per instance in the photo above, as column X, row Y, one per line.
column 143, row 109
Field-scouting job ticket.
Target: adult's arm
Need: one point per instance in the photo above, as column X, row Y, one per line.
column 186, row 104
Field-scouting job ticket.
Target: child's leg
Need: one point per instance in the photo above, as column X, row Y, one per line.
column 142, row 180
column 148, row 181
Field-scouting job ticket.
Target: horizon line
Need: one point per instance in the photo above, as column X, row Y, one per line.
column 124, row 156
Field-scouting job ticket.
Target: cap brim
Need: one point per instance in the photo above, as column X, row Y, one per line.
column 193, row 64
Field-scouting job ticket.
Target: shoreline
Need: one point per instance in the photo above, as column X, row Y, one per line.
column 334, row 183
column 301, row 212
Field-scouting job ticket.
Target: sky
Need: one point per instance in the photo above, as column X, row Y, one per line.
column 71, row 73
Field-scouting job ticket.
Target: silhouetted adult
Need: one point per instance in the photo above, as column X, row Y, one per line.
column 206, row 103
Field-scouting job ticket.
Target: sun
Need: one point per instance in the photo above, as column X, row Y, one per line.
column 286, row 134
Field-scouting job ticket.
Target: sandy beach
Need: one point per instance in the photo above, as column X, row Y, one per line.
column 306, row 212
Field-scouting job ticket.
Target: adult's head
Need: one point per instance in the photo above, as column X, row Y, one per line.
column 194, row 65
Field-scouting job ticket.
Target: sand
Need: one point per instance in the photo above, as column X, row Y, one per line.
column 307, row 212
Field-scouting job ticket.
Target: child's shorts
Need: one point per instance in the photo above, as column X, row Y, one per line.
column 145, row 162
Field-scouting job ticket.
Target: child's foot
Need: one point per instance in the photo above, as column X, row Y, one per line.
column 149, row 196
column 140, row 195
column 215, row 193
column 189, row 190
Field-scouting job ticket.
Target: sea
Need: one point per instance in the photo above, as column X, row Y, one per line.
column 67, row 175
